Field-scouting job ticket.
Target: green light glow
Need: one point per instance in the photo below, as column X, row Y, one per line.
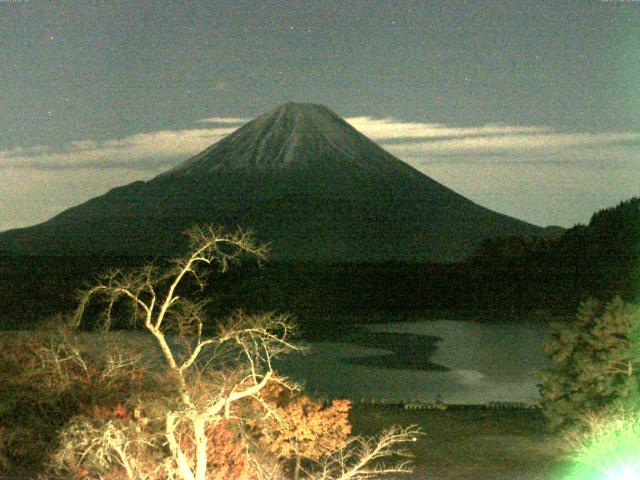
column 611, row 451
column 627, row 471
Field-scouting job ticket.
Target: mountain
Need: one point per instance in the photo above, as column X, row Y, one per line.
column 303, row 179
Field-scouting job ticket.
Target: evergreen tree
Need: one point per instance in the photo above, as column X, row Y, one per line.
column 597, row 362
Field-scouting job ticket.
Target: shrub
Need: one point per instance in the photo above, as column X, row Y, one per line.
column 51, row 378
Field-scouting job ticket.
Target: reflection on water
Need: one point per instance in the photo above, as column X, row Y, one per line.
column 456, row 361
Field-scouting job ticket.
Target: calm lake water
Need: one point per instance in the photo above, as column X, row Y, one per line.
column 455, row 361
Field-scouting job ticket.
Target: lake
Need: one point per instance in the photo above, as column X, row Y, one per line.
column 458, row 362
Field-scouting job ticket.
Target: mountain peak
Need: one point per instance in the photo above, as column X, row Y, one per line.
column 301, row 107
column 303, row 111
column 312, row 118
column 291, row 136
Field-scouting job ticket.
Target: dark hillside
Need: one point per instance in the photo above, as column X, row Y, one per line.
column 601, row 259
column 33, row 287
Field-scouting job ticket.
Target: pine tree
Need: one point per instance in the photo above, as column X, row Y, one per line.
column 597, row 361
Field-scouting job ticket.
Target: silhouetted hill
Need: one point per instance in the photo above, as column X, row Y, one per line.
column 303, row 179
column 511, row 275
column 600, row 259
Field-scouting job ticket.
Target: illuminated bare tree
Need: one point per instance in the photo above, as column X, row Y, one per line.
column 362, row 459
column 214, row 377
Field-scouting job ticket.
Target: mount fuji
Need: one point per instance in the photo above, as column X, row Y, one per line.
column 303, row 180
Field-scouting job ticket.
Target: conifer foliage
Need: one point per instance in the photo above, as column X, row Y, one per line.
column 597, row 361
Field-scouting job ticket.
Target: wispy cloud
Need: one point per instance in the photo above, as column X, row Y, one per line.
column 415, row 142
column 421, row 144
column 224, row 120
column 518, row 146
column 143, row 151
column 381, row 129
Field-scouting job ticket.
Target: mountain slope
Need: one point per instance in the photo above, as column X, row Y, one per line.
column 303, row 179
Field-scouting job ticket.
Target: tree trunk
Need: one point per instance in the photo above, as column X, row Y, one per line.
column 200, row 438
column 176, row 452
column 296, row 468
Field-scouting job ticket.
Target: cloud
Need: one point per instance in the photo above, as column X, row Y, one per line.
column 384, row 129
column 469, row 377
column 419, row 144
column 497, row 142
column 522, row 143
column 144, row 151
column 224, row 120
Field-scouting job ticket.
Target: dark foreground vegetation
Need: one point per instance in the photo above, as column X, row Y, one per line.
column 32, row 288
column 459, row 443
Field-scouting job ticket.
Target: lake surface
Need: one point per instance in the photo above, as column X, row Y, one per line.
column 455, row 361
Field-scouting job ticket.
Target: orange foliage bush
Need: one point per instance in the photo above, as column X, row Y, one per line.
column 300, row 428
column 30, row 414
column 287, row 428
column 226, row 454
column 41, row 392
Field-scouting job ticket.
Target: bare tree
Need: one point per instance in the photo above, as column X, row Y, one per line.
column 212, row 375
column 361, row 458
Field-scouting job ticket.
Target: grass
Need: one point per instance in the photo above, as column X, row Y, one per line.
column 472, row 443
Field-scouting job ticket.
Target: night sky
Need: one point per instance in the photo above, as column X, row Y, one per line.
column 530, row 108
